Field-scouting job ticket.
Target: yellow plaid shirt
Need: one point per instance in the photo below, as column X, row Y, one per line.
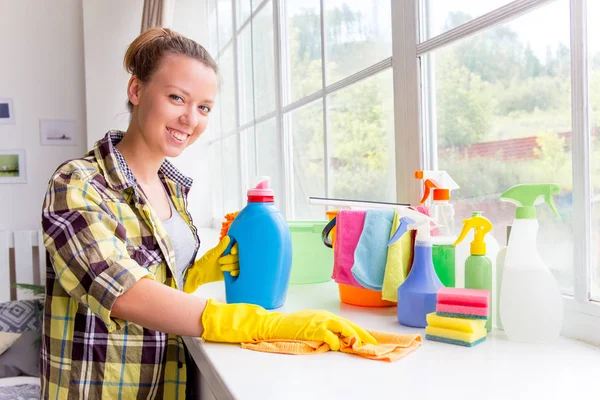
column 102, row 236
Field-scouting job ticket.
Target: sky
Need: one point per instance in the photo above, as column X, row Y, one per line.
column 546, row 25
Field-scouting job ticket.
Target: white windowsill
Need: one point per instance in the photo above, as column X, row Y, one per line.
column 494, row 369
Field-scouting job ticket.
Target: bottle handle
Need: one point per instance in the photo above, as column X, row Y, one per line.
column 229, row 279
column 326, row 231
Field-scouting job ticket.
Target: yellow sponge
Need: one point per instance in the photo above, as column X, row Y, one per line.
column 456, row 324
column 461, row 331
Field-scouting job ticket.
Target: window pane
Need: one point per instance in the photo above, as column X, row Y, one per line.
column 502, row 109
column 301, row 50
column 213, row 130
column 594, row 58
column 358, row 35
column 361, row 131
column 440, row 16
column 225, row 22
column 249, row 142
column 217, row 178
column 264, row 61
column 231, row 174
column 213, row 41
column 306, row 130
column 269, row 158
column 245, row 75
column 243, row 12
column 255, row 4
column 227, row 91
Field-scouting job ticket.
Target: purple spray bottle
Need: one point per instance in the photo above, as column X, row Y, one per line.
column 417, row 296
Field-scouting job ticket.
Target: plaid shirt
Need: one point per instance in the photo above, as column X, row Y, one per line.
column 102, row 236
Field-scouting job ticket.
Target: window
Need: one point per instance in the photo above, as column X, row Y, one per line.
column 502, row 101
column 346, row 98
column 500, row 115
column 312, row 136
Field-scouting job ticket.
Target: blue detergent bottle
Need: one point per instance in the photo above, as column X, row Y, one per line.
column 265, row 252
column 417, row 295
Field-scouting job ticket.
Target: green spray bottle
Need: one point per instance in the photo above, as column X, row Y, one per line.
column 478, row 267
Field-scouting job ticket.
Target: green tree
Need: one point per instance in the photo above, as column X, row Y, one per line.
column 463, row 112
column 360, row 117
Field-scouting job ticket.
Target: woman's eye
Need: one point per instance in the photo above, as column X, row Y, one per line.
column 175, row 97
column 205, row 108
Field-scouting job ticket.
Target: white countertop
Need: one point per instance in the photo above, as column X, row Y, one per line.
column 494, row 369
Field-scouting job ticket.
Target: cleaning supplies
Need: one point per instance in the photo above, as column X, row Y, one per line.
column 460, row 317
column 441, row 184
column 265, row 252
column 463, row 251
column 349, row 225
column 417, row 295
column 390, row 347
column 399, row 260
column 370, row 255
column 500, row 258
column 459, row 331
column 478, row 267
column 463, row 303
column 530, row 300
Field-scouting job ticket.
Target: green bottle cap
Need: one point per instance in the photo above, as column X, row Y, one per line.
column 526, row 197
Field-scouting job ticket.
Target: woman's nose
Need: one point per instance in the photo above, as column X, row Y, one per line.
column 190, row 117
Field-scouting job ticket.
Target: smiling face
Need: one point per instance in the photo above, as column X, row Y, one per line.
column 171, row 109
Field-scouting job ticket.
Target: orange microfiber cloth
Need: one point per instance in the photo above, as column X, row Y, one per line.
column 390, row 346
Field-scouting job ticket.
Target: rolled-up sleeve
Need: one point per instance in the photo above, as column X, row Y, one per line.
column 87, row 246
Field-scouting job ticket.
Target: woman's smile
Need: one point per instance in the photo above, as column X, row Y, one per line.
column 178, row 136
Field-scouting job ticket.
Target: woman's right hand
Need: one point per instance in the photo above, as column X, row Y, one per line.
column 243, row 323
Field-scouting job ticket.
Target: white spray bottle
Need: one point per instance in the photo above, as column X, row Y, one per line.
column 531, row 304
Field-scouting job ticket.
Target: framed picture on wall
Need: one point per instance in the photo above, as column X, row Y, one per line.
column 58, row 132
column 7, row 113
column 12, row 166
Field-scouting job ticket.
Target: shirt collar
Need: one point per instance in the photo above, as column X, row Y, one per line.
column 119, row 175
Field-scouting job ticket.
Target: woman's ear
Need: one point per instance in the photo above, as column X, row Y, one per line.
column 133, row 90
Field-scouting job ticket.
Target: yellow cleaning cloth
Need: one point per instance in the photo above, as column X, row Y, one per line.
column 398, row 263
column 390, row 346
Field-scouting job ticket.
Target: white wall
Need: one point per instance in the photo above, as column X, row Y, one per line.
column 42, row 70
column 109, row 27
column 190, row 20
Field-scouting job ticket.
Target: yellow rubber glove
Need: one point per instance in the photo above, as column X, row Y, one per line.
column 210, row 267
column 243, row 323
column 230, row 263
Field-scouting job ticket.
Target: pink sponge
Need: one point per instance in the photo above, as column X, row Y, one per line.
column 463, row 303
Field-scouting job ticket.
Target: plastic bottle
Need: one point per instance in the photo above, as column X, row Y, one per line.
column 442, row 211
column 530, row 301
column 265, row 252
column 499, row 272
column 417, row 296
column 478, row 267
column 463, row 251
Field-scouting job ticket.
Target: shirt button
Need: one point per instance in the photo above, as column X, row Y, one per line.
column 179, row 364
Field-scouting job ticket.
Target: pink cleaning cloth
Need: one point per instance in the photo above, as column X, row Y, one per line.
column 349, row 226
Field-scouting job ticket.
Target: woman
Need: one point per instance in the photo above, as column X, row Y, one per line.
column 120, row 239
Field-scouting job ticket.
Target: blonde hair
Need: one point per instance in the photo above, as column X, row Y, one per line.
column 147, row 51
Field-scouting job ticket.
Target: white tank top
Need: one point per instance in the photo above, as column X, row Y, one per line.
column 182, row 241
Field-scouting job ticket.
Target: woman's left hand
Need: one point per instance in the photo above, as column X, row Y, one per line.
column 210, row 267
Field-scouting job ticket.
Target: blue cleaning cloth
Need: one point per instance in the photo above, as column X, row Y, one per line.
column 370, row 255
